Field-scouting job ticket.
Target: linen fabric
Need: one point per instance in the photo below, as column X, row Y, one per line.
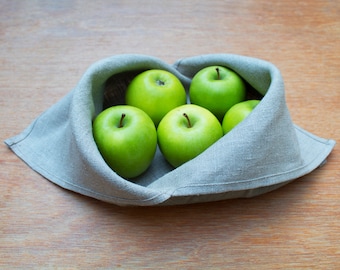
column 262, row 153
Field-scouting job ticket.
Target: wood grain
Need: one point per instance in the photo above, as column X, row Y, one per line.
column 45, row 48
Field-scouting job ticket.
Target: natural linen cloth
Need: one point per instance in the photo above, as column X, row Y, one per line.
column 262, row 153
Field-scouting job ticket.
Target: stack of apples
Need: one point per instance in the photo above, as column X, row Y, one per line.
column 156, row 113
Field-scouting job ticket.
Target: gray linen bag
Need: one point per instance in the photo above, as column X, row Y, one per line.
column 263, row 153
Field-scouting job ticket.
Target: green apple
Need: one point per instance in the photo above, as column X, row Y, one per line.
column 237, row 114
column 186, row 132
column 127, row 139
column 156, row 92
column 217, row 89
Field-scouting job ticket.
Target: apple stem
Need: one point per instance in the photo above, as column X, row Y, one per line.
column 188, row 119
column 159, row 82
column 121, row 120
column 218, row 73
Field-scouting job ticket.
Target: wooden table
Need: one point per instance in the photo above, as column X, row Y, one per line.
column 45, row 48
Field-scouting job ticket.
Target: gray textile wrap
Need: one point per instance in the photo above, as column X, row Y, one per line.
column 264, row 152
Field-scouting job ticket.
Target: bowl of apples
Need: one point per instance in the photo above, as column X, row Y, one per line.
column 139, row 131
